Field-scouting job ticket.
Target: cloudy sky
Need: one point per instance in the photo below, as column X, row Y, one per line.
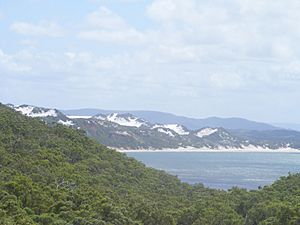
column 233, row 58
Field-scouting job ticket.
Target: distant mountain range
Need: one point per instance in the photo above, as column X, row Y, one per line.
column 190, row 123
column 124, row 130
column 290, row 126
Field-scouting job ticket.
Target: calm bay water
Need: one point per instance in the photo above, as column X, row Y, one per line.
column 223, row 170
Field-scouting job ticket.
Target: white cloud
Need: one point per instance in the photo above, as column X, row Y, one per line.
column 48, row 29
column 235, row 43
column 10, row 63
column 245, row 28
column 169, row 11
column 122, row 37
column 215, row 44
column 104, row 25
column 185, row 52
column 222, row 80
column 106, row 19
column 89, row 61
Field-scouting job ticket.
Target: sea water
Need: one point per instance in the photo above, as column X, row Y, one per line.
column 223, row 170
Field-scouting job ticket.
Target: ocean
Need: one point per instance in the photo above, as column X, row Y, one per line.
column 223, row 170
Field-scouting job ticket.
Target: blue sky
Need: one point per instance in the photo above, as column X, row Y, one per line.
column 236, row 58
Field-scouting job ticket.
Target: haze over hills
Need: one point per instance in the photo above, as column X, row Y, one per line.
column 130, row 132
column 290, row 126
column 190, row 123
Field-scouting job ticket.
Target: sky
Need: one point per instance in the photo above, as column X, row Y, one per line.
column 233, row 58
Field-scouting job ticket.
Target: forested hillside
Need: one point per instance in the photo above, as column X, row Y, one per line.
column 57, row 175
column 128, row 132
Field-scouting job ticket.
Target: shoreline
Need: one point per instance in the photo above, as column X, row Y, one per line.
column 206, row 150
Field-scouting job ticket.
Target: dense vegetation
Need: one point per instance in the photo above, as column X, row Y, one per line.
column 56, row 175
